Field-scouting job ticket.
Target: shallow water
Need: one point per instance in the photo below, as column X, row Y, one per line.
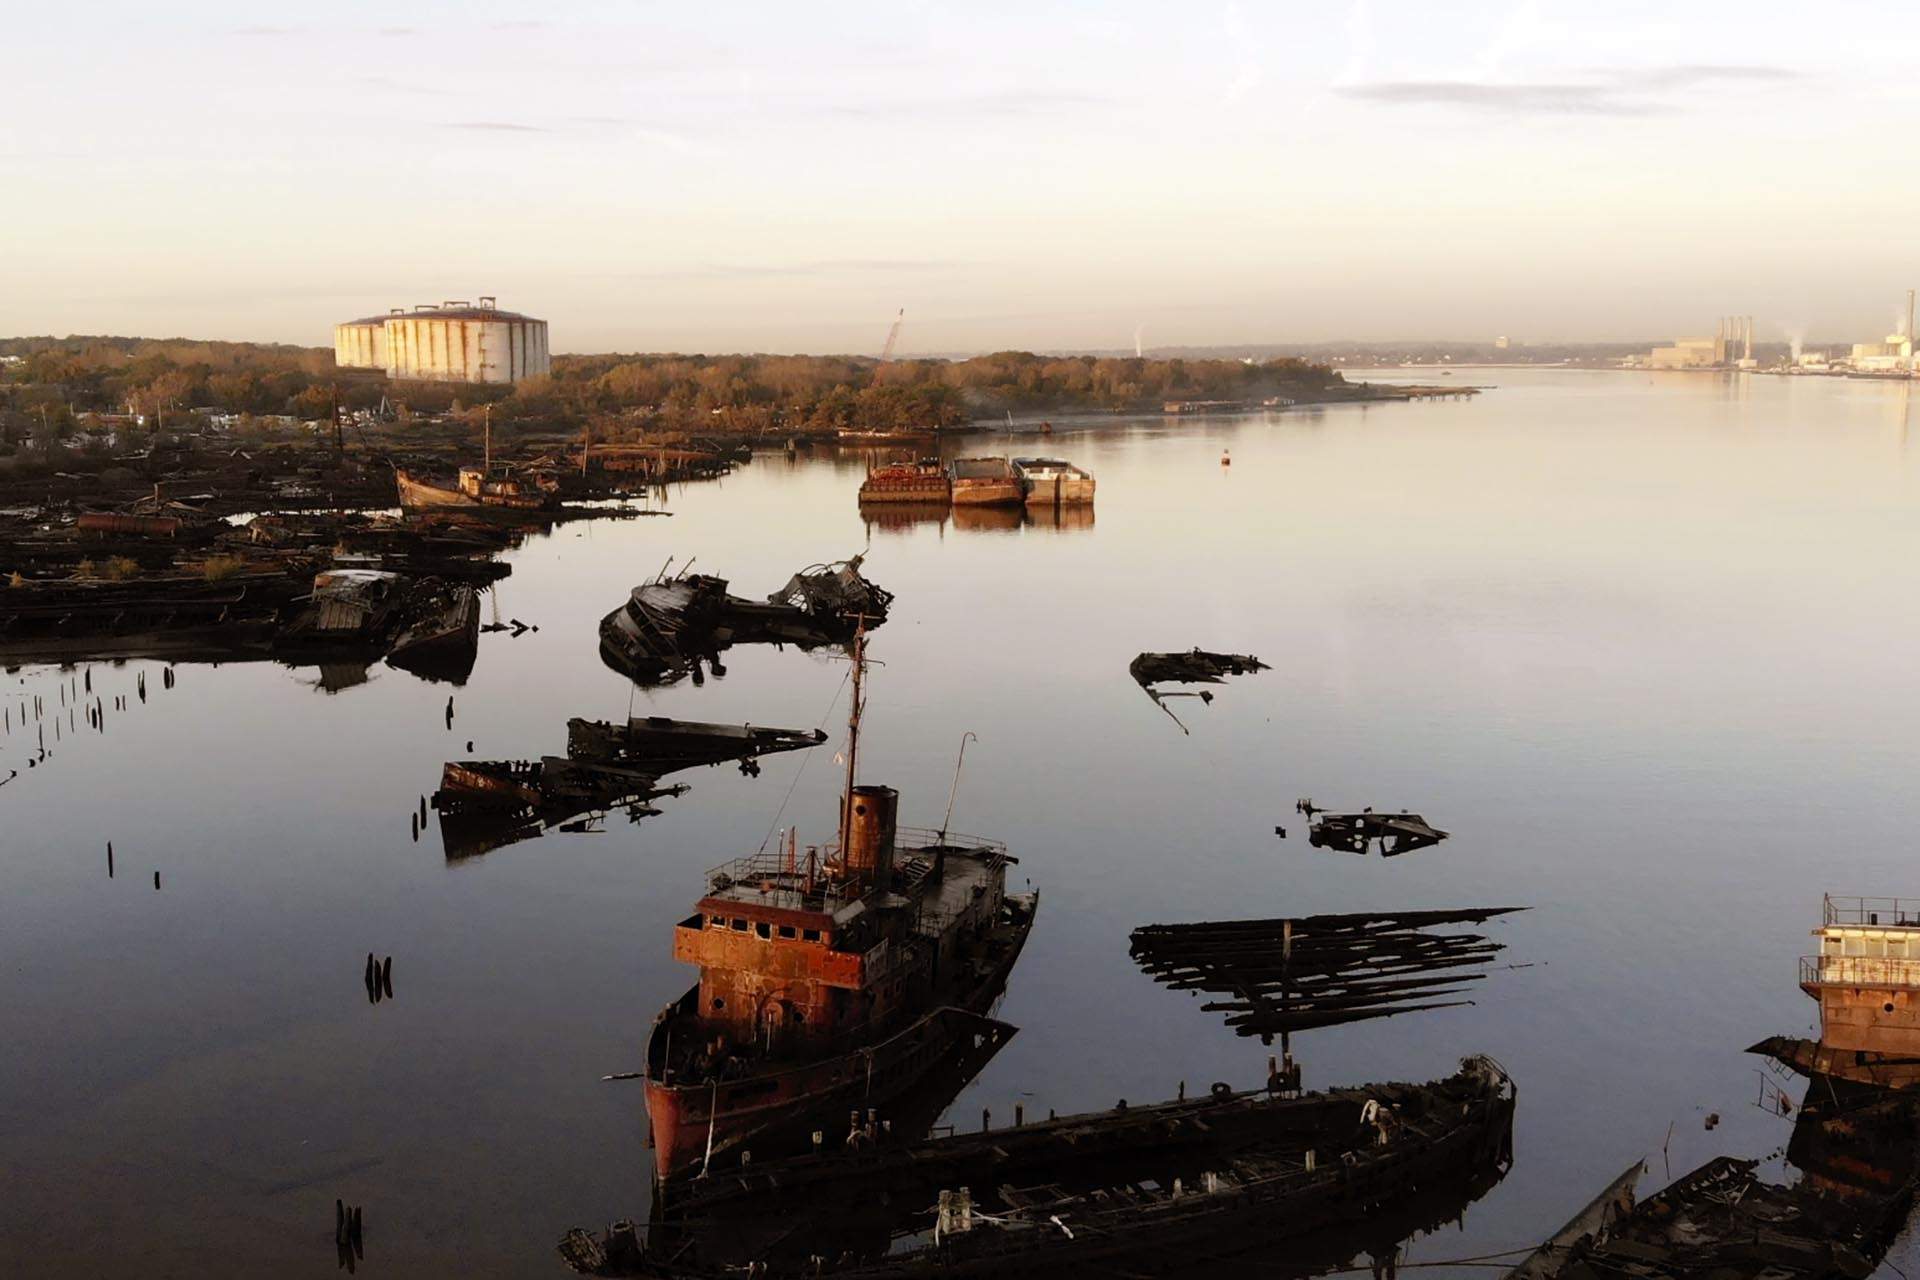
column 1641, row 642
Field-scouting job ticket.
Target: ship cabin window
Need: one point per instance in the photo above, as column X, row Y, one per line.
column 786, row 931
column 716, row 922
column 719, row 1002
column 764, row 929
column 810, row 935
column 739, row 925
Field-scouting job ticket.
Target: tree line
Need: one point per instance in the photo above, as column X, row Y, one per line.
column 45, row 382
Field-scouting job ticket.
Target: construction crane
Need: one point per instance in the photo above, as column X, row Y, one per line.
column 893, row 336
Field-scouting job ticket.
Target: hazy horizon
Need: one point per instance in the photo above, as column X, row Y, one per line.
column 653, row 178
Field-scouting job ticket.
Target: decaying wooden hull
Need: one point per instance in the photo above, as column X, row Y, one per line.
column 420, row 495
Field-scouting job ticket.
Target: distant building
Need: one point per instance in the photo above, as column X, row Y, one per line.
column 1500, row 343
column 1895, row 355
column 453, row 342
column 1731, row 345
column 1689, row 353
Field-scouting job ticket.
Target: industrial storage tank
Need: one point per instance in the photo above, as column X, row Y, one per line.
column 361, row 344
column 461, row 342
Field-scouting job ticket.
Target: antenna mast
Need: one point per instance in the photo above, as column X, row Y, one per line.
column 853, row 736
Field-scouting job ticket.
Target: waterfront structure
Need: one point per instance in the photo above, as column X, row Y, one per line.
column 453, row 342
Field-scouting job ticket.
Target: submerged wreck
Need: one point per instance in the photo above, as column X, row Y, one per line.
column 1857, row 1159
column 488, row 804
column 1196, row 666
column 673, row 623
column 1388, row 834
column 1856, row 1142
column 1170, row 1187
column 1286, row 975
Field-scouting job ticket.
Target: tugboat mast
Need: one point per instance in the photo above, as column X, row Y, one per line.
column 853, row 735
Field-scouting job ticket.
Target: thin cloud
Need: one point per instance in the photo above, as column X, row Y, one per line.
column 1623, row 92
column 398, row 31
column 1518, row 99
column 263, row 31
column 1687, row 76
column 1010, row 102
column 401, row 86
column 824, row 267
column 495, row 126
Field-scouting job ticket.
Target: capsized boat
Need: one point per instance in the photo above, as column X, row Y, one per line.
column 830, row 980
column 673, row 622
column 1053, row 482
column 665, row 744
column 439, row 632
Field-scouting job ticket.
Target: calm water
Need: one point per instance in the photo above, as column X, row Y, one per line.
column 1643, row 643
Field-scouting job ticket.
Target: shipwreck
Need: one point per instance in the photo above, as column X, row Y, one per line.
column 1172, row 1187
column 675, row 622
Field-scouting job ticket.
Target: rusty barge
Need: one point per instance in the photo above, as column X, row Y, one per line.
column 830, row 979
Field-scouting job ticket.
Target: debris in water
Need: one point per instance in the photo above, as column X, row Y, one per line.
column 1197, row 666
column 1391, row 834
column 1285, row 975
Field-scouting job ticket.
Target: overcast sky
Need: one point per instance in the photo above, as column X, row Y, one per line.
column 705, row 177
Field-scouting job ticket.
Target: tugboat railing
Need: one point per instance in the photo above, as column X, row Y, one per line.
column 757, row 867
column 1870, row 912
column 1858, row 971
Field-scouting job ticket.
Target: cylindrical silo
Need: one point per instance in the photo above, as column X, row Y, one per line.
column 459, row 342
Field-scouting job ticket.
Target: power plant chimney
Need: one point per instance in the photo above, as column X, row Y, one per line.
column 1749, row 348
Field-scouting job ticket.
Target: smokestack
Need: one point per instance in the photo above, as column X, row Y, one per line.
column 1909, row 315
column 1749, row 350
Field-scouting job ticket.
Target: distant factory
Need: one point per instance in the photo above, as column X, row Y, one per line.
column 1731, row 347
column 452, row 342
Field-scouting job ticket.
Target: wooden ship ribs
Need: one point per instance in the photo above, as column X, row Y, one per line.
column 1285, row 975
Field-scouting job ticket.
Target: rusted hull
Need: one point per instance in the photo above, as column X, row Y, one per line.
column 418, row 495
column 988, row 493
column 871, row 494
column 691, row 1123
column 1811, row 1058
column 1063, row 491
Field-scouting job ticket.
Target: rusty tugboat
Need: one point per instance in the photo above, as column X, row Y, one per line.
column 830, row 979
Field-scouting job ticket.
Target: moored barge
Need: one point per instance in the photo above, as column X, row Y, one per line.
column 985, row 482
column 1053, row 482
column 921, row 482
